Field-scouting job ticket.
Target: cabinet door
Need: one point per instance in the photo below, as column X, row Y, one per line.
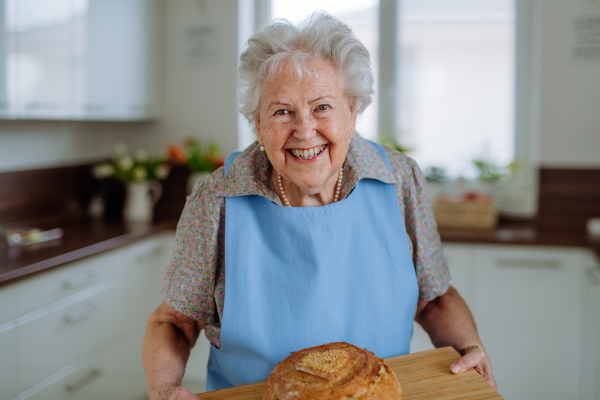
column 120, row 70
column 8, row 362
column 528, row 315
column 8, row 48
column 8, row 342
column 460, row 264
column 148, row 261
column 590, row 349
column 44, row 61
column 136, row 24
column 59, row 333
column 98, row 378
column 144, row 265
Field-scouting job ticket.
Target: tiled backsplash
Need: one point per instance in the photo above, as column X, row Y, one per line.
column 568, row 198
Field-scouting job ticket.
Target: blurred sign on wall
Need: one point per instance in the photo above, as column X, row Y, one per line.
column 586, row 37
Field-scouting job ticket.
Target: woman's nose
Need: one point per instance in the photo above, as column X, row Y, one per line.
column 305, row 126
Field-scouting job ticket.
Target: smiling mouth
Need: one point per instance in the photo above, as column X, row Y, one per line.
column 308, row 154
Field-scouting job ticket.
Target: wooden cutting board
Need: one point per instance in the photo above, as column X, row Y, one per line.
column 423, row 376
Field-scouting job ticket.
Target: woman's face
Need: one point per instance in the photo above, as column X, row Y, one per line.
column 305, row 125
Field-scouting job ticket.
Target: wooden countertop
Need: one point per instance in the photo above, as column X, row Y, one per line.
column 85, row 238
column 423, row 376
column 525, row 233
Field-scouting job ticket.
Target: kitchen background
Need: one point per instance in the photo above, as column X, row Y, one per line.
column 458, row 80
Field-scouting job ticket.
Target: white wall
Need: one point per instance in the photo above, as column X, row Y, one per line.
column 198, row 99
column 570, row 90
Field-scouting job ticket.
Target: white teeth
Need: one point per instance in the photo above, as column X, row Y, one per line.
column 308, row 154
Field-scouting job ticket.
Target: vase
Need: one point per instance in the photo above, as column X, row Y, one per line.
column 194, row 178
column 140, row 200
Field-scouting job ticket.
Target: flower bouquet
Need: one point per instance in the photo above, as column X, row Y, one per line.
column 140, row 173
column 201, row 160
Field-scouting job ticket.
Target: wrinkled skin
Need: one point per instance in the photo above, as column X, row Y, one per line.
column 301, row 114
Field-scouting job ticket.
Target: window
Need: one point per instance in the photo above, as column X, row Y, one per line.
column 456, row 82
column 362, row 17
column 454, row 88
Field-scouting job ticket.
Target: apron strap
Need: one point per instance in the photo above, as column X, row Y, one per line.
column 381, row 150
column 229, row 160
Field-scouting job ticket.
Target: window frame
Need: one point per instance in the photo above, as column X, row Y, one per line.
column 523, row 189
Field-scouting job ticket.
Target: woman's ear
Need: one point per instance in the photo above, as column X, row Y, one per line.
column 257, row 126
column 352, row 120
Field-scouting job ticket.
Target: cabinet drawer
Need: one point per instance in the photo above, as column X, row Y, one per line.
column 8, row 363
column 64, row 332
column 8, row 301
column 60, row 282
column 103, row 377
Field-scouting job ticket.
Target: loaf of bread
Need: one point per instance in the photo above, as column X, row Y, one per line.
column 332, row 371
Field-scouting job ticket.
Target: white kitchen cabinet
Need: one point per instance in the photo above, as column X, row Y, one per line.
column 60, row 335
column 528, row 313
column 8, row 108
column 56, row 284
column 195, row 372
column 459, row 260
column 590, row 349
column 83, row 59
column 8, row 299
column 8, row 362
column 149, row 260
column 80, row 335
column 538, row 314
column 8, row 342
column 118, row 77
column 44, row 58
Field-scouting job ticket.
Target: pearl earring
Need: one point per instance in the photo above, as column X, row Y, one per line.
column 262, row 148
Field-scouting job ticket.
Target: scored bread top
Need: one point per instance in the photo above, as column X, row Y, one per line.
column 332, row 371
column 328, row 364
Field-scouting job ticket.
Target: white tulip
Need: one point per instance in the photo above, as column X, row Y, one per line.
column 139, row 174
column 103, row 171
column 161, row 171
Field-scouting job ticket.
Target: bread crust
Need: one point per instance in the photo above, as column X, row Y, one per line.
column 332, row 371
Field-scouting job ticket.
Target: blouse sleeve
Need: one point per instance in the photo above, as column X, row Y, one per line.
column 433, row 275
column 189, row 281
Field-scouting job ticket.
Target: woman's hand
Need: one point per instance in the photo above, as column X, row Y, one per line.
column 173, row 393
column 478, row 360
column 449, row 322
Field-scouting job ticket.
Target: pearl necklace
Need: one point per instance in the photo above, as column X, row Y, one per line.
column 337, row 189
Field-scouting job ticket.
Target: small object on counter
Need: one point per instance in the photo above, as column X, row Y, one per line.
column 332, row 371
column 26, row 236
column 593, row 226
column 473, row 211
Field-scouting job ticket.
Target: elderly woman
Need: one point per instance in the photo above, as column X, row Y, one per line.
column 310, row 235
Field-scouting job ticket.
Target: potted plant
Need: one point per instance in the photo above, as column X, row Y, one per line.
column 201, row 160
column 436, row 179
column 141, row 174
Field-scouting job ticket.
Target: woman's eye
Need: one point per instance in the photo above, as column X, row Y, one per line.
column 281, row 112
column 323, row 107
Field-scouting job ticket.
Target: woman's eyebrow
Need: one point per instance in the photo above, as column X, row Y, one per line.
column 279, row 103
column 321, row 97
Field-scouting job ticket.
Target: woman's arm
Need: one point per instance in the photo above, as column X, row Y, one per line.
column 449, row 322
column 169, row 337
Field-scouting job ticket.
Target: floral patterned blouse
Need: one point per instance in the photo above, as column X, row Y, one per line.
column 195, row 277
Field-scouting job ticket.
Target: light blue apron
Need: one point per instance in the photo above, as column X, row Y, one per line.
column 305, row 276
